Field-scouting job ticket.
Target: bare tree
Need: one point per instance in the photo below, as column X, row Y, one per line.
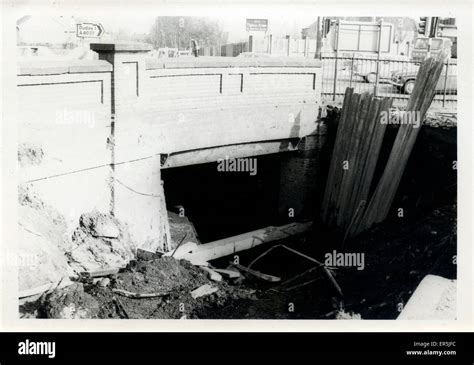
column 177, row 32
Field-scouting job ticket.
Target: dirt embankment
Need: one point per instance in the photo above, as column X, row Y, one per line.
column 42, row 242
column 102, row 242
column 99, row 241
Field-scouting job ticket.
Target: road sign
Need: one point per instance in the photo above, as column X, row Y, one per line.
column 89, row 30
column 259, row 25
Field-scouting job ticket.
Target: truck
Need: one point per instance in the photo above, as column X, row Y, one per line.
column 425, row 47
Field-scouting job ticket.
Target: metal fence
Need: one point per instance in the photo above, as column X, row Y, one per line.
column 384, row 78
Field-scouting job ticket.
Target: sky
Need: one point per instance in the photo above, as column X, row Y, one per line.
column 141, row 21
column 235, row 25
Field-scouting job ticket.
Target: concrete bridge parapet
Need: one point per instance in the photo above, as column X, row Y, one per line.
column 189, row 110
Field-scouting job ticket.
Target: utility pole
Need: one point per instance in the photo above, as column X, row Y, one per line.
column 319, row 38
column 428, row 27
column 379, row 49
column 434, row 27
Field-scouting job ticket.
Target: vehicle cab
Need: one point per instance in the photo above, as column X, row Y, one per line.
column 425, row 47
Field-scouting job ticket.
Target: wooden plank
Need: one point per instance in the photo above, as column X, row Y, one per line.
column 335, row 156
column 420, row 100
column 245, row 241
column 354, row 110
column 101, row 272
column 373, row 152
column 336, row 171
column 133, row 295
column 257, row 274
column 340, row 154
column 203, row 290
column 403, row 145
column 231, row 274
column 213, row 275
column 350, row 175
column 361, row 162
column 370, row 159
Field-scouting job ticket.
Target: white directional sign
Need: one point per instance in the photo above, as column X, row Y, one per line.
column 89, row 30
column 259, row 25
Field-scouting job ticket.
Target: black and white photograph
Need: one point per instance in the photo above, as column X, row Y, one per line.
column 206, row 168
column 231, row 162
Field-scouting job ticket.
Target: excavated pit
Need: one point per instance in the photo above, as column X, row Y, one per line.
column 398, row 252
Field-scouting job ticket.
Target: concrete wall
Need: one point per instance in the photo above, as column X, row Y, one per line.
column 67, row 114
column 64, row 111
column 301, row 178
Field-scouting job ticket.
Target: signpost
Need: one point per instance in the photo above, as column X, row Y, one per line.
column 257, row 25
column 89, row 30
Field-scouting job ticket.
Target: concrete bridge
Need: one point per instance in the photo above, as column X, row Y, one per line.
column 96, row 134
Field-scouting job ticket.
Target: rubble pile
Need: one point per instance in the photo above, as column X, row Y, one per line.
column 108, row 280
column 71, row 303
column 160, row 288
column 100, row 241
column 48, row 254
column 440, row 120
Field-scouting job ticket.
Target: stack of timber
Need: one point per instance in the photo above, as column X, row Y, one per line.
column 359, row 138
column 423, row 93
column 358, row 142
